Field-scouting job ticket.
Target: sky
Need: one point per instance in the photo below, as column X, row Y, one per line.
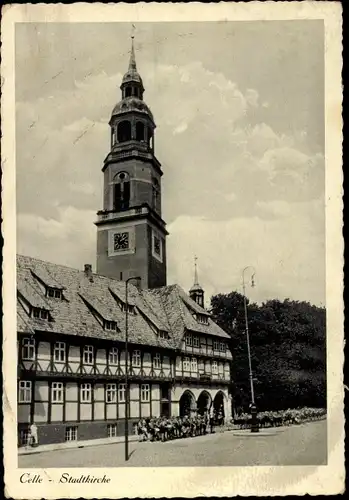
column 239, row 108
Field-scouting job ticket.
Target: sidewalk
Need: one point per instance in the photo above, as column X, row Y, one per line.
column 90, row 442
column 73, row 444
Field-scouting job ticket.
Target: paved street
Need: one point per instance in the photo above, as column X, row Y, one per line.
column 297, row 445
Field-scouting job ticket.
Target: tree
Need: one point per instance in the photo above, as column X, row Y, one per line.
column 288, row 351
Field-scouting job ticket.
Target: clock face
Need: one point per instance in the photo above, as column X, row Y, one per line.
column 121, row 241
column 157, row 245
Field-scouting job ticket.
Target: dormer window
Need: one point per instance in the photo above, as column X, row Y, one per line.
column 130, row 308
column 163, row 335
column 201, row 318
column 110, row 325
column 39, row 313
column 54, row 293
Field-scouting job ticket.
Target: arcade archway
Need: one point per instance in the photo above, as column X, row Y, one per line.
column 187, row 404
column 204, row 403
column 218, row 403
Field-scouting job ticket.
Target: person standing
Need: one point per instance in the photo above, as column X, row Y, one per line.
column 211, row 421
column 34, row 435
column 220, row 417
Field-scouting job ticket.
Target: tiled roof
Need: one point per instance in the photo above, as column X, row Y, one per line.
column 164, row 308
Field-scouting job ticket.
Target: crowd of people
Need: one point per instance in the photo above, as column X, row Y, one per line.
column 287, row 417
column 166, row 428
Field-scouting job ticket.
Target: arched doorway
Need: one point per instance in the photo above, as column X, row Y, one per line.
column 187, row 404
column 218, row 403
column 204, row 403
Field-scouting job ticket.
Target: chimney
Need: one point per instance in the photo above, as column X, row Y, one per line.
column 88, row 271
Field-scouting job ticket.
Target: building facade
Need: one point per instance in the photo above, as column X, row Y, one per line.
column 71, row 323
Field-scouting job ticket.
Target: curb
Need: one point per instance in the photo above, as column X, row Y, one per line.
column 88, row 444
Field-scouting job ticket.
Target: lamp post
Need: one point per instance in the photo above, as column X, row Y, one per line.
column 136, row 278
column 254, row 422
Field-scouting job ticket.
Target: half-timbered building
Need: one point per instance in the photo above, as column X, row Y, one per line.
column 71, row 323
column 71, row 352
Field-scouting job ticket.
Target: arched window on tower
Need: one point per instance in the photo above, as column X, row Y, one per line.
column 128, row 92
column 150, row 138
column 113, row 137
column 121, row 191
column 124, row 131
column 140, row 131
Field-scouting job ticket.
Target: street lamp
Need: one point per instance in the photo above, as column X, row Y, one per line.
column 254, row 422
column 136, row 278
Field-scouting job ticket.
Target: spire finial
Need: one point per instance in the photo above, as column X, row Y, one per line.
column 196, row 280
column 132, row 64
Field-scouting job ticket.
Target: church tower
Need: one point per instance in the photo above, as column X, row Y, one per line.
column 196, row 292
column 131, row 235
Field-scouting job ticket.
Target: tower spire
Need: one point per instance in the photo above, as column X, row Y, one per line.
column 132, row 64
column 196, row 280
column 196, row 292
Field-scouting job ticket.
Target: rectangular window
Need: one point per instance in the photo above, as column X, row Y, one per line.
column 201, row 318
column 59, row 351
column 163, row 335
column 57, row 392
column 186, row 364
column 113, row 356
column 24, row 391
column 215, row 345
column 111, row 428
column 157, row 360
column 214, row 367
column 88, row 355
column 189, row 339
column 194, row 365
column 110, row 325
column 145, row 393
column 136, row 358
column 28, row 349
column 71, row 433
column 122, row 393
column 111, row 393
column 40, row 313
column 196, row 341
column 85, row 393
column 222, row 346
column 54, row 293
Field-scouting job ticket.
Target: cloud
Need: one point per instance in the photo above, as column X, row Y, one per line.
column 291, row 266
column 252, row 97
column 70, row 240
column 180, row 129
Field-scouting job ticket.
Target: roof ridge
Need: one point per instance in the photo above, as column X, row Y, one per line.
column 48, row 262
column 65, row 267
